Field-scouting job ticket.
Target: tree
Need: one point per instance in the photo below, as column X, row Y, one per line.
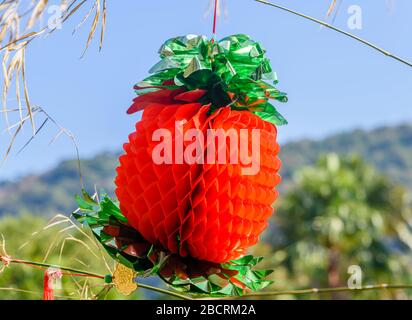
column 341, row 212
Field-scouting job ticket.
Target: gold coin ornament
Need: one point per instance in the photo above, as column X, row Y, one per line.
column 123, row 279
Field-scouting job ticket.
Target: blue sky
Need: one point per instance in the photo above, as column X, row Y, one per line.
column 334, row 83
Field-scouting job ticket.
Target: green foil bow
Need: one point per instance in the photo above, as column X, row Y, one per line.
column 128, row 247
column 233, row 72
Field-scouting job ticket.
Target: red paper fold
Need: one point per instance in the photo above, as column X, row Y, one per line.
column 211, row 212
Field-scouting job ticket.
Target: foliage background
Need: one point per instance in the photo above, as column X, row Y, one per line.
column 334, row 213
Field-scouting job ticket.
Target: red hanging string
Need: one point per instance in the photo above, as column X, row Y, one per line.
column 215, row 18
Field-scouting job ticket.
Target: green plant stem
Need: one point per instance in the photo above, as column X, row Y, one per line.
column 257, row 294
column 350, row 35
column 47, row 265
column 329, row 290
column 95, row 275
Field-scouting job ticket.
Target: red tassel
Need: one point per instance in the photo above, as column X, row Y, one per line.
column 50, row 276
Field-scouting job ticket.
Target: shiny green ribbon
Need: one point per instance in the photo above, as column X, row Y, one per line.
column 234, row 71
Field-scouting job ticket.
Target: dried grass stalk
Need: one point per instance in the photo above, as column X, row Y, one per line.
column 20, row 24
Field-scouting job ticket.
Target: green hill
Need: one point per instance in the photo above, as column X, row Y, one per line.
column 389, row 149
column 53, row 191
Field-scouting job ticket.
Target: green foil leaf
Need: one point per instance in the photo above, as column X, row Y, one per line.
column 233, row 70
column 125, row 245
